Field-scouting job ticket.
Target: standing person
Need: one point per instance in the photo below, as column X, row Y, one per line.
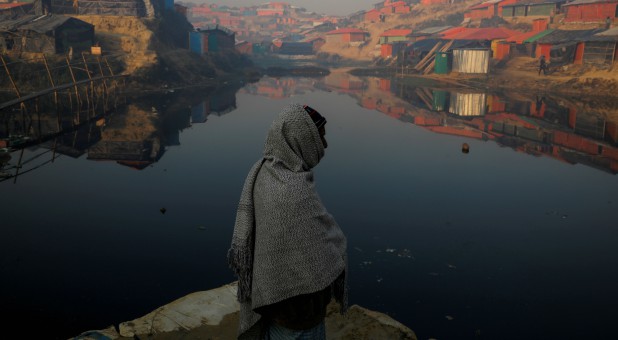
column 542, row 65
column 608, row 23
column 287, row 250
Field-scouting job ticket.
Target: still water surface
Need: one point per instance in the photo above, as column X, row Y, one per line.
column 516, row 239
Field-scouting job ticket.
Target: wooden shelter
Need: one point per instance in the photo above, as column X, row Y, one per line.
column 348, row 35
column 49, row 34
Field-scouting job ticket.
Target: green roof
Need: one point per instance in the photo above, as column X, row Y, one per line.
column 538, row 36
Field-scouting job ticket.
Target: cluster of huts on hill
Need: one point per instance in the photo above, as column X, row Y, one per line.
column 282, row 28
column 54, row 27
column 466, row 49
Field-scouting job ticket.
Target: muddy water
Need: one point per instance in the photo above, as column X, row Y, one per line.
column 514, row 239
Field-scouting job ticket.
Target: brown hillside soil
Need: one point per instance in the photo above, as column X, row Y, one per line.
column 127, row 38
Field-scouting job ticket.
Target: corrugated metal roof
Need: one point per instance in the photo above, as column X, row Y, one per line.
column 482, row 34
column 535, row 3
column 485, row 4
column 609, row 32
column 217, row 27
column 608, row 35
column 520, row 38
column 564, row 36
column 37, row 23
column 585, row 2
column 396, row 33
column 346, row 30
column 538, row 36
column 433, row 30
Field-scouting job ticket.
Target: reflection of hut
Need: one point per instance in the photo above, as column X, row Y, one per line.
column 468, row 104
column 130, row 139
column 136, row 154
column 48, row 34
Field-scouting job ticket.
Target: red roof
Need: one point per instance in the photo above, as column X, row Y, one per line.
column 396, row 33
column 346, row 31
column 519, row 38
column 481, row 34
column 481, row 6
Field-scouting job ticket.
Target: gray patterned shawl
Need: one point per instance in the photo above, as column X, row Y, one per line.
column 285, row 243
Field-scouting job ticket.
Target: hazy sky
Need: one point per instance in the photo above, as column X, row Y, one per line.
column 337, row 7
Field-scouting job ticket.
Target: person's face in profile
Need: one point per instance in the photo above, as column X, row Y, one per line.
column 322, row 131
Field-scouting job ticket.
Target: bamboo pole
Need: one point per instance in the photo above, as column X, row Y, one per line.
column 76, row 89
column 6, row 68
column 91, row 82
column 51, row 79
column 421, row 64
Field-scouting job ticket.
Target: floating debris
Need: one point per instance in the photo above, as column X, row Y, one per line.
column 465, row 148
column 201, row 227
column 434, row 274
column 451, row 266
column 379, row 279
column 163, row 210
column 564, row 216
column 390, row 250
column 405, row 253
column 357, row 248
column 449, row 318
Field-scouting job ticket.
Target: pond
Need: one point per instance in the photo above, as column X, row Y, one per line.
column 514, row 239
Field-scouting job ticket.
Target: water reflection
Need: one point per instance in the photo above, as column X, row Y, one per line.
column 133, row 135
column 563, row 129
column 495, row 244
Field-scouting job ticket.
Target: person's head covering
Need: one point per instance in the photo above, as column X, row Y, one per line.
column 285, row 242
column 294, row 139
column 317, row 118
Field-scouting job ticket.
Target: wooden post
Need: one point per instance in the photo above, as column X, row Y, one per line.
column 6, row 68
column 51, row 80
column 79, row 105
column 91, row 82
column 21, row 156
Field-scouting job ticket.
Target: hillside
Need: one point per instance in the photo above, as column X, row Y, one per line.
column 154, row 54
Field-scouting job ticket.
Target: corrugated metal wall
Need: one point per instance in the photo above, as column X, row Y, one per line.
column 471, row 61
